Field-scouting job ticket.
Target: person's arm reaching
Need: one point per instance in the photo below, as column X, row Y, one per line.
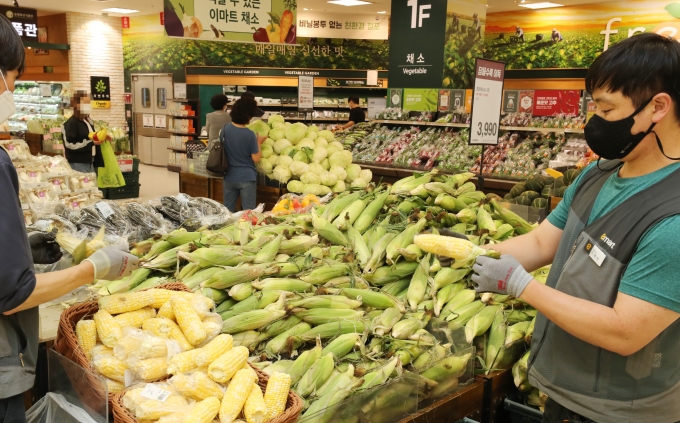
column 257, row 156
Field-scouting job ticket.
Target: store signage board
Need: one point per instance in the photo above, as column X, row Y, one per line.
column 526, row 101
column 125, row 22
column 305, row 93
column 372, row 77
column 160, row 122
column 486, row 102
column 147, row 120
column 417, row 39
column 510, row 101
column 420, row 99
column 315, row 24
column 46, row 90
column 457, row 99
column 100, row 89
column 180, row 90
column 24, row 21
column 231, row 20
column 293, row 73
column 394, row 97
column 553, row 102
column 444, row 101
column 375, row 105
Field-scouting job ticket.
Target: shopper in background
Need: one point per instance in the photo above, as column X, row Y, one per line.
column 21, row 290
column 356, row 114
column 82, row 152
column 249, row 95
column 215, row 121
column 242, row 147
column 606, row 346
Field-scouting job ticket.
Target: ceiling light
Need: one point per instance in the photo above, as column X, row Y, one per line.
column 349, row 2
column 119, row 10
column 305, row 8
column 382, row 12
column 542, row 5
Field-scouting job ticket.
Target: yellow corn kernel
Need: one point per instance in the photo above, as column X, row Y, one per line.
column 150, row 369
column 134, row 319
column 166, row 311
column 203, row 412
column 123, row 303
column 86, row 331
column 166, row 328
column 237, row 394
column 188, row 321
column 197, row 385
column 447, row 246
column 151, row 347
column 255, row 409
column 110, row 367
column 113, row 386
column 160, row 297
column 108, row 329
column 276, row 394
column 214, row 349
column 183, row 362
column 226, row 366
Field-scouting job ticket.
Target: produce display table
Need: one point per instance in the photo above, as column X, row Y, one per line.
column 497, row 386
column 211, row 187
column 468, row 402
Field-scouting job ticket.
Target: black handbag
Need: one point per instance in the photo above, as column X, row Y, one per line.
column 217, row 164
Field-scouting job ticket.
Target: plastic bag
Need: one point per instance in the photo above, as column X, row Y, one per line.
column 54, row 408
column 296, row 204
column 152, row 401
column 110, row 175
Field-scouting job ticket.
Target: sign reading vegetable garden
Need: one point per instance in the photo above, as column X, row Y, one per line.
column 264, row 21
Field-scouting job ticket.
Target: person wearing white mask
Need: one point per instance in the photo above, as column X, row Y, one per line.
column 82, row 152
column 21, row 290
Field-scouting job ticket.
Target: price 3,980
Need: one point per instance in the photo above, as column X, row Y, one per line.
column 487, row 128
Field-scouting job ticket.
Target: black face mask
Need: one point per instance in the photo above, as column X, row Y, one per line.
column 612, row 139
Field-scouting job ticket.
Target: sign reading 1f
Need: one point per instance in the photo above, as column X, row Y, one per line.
column 418, row 13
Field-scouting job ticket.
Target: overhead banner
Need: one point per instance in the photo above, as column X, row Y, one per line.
column 261, row 21
column 417, row 31
column 100, row 90
column 464, row 37
column 337, row 25
column 553, row 102
column 486, row 102
column 24, row 21
column 573, row 36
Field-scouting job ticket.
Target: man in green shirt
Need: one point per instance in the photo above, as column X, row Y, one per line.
column 606, row 346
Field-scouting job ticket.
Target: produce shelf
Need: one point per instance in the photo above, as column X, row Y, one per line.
column 532, row 129
column 413, row 123
column 173, row 168
column 181, row 133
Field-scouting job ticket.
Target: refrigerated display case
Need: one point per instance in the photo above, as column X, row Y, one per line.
column 38, row 100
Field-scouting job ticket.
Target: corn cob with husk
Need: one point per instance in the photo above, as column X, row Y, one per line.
column 516, row 316
column 449, row 203
column 316, row 375
column 166, row 259
column 530, row 332
column 446, row 294
column 327, row 302
column 241, row 291
column 124, row 285
column 406, row 185
column 378, row 252
column 461, row 299
column 282, row 284
column 248, row 339
column 485, row 222
column 215, row 256
column 480, row 322
column 328, row 231
column 351, row 213
column 519, row 374
column 408, row 326
column 446, row 373
column 387, row 319
column 181, row 237
column 432, row 355
column 461, row 316
column 386, row 274
column 298, row 244
column 378, row 232
column 251, row 320
column 269, row 251
column 320, row 316
column 304, row 362
column 520, row 225
column 323, row 274
column 382, row 374
column 200, row 276
column 394, row 288
column 187, row 271
column 516, row 332
column 330, row 330
column 358, row 245
column 496, row 340
column 418, row 286
column 373, row 299
column 403, row 240
column 369, row 214
column 279, row 343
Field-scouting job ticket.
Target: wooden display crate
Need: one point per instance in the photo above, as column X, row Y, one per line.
column 497, row 386
column 34, row 142
column 468, row 402
column 194, row 185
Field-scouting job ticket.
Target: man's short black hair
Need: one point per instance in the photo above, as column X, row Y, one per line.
column 248, row 94
column 11, row 48
column 354, row 100
column 217, row 102
column 640, row 67
column 243, row 110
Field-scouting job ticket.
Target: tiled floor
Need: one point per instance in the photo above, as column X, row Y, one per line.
column 156, row 182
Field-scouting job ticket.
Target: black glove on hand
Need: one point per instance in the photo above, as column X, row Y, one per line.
column 43, row 248
column 448, row 261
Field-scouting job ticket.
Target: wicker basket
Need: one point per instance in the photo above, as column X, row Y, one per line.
column 290, row 414
column 66, row 344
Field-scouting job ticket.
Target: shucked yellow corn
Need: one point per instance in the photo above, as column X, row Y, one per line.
column 86, row 331
column 188, row 321
column 455, row 248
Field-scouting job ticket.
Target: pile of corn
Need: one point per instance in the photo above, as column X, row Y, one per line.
column 358, row 297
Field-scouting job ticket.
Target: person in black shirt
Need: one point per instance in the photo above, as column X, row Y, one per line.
column 356, row 114
column 83, row 153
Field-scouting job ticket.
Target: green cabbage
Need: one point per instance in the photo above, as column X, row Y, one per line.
column 313, row 128
column 260, row 128
column 312, row 135
column 338, row 145
column 359, row 183
column 279, row 125
column 269, row 142
column 341, row 159
column 296, row 132
column 319, row 155
column 280, row 144
column 328, row 135
column 321, row 142
column 273, row 159
column 316, row 168
column 281, row 174
column 277, row 134
column 306, row 142
column 295, row 186
column 331, row 150
column 339, row 187
column 328, row 179
column 301, row 156
column 275, row 118
column 266, row 151
column 285, row 161
column 310, row 178
column 287, row 124
column 316, row 189
column 353, row 172
column 338, row 172
column 265, row 166
column 366, row 175
column 298, row 168
column 326, row 164
column 289, row 151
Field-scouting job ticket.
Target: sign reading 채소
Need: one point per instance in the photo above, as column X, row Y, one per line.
column 24, row 21
column 486, row 102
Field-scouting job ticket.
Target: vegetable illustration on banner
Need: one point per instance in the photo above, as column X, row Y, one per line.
column 265, row 21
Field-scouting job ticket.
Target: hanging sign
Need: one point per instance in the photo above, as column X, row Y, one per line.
column 420, row 99
column 315, row 24
column 457, row 100
column 553, row 102
column 486, row 102
column 394, row 97
column 101, row 92
column 444, row 100
column 510, row 101
column 24, row 21
column 125, row 22
column 305, row 93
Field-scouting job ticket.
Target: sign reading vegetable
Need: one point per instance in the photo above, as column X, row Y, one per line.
column 264, row 21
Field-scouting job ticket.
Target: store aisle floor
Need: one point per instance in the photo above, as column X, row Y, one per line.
column 156, row 182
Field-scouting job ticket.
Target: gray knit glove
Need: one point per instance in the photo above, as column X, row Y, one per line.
column 503, row 276
column 113, row 263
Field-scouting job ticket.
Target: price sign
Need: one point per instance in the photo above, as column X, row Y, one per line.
column 305, row 93
column 487, row 100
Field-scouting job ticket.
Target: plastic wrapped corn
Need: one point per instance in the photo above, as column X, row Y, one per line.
column 153, row 401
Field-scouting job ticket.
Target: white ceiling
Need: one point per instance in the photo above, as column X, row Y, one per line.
column 156, row 6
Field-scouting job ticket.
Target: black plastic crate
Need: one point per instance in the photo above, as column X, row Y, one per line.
column 520, row 413
column 128, row 191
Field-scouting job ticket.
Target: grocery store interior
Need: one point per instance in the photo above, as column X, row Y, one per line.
column 308, row 280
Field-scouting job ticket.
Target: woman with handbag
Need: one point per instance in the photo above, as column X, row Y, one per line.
column 242, row 148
